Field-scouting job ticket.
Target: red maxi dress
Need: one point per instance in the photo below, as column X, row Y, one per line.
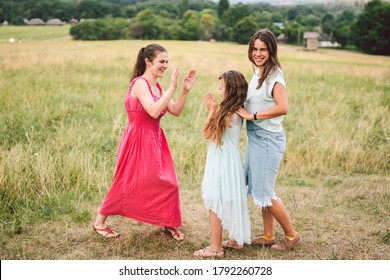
column 145, row 186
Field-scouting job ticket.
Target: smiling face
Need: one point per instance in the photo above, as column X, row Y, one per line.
column 259, row 53
column 159, row 64
column 222, row 87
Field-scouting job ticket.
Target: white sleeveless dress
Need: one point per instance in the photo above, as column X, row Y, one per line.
column 223, row 187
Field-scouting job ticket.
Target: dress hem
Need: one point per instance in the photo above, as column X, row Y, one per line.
column 140, row 220
column 224, row 227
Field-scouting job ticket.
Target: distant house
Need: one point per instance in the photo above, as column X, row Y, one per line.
column 54, row 21
column 34, row 21
column 282, row 39
column 73, row 21
column 329, row 44
column 279, row 24
column 311, row 41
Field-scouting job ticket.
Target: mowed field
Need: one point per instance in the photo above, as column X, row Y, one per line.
column 62, row 115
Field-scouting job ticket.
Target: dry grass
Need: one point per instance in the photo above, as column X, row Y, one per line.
column 343, row 218
column 62, row 115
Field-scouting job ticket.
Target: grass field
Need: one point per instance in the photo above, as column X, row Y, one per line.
column 62, row 115
column 33, row 33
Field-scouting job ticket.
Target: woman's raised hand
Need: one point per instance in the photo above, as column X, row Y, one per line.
column 175, row 74
column 189, row 80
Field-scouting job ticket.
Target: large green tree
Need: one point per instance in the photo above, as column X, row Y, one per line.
column 244, row 29
column 191, row 25
column 342, row 29
column 328, row 23
column 223, row 6
column 235, row 14
column 372, row 29
column 146, row 26
column 207, row 24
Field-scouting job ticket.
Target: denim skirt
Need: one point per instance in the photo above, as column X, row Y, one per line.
column 264, row 151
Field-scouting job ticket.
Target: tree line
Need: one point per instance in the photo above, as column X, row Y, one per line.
column 366, row 27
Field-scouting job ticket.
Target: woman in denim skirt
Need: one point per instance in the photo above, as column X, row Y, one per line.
column 264, row 111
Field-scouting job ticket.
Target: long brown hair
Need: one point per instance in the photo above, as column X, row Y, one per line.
column 273, row 63
column 236, row 88
column 149, row 52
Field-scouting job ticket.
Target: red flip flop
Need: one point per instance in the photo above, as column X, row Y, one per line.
column 176, row 234
column 106, row 232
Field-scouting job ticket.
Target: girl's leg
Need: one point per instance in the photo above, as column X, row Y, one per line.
column 215, row 249
column 216, row 232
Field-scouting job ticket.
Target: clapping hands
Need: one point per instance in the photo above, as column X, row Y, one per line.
column 210, row 102
column 189, row 80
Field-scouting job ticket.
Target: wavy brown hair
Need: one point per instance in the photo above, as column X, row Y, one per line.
column 236, row 88
column 273, row 63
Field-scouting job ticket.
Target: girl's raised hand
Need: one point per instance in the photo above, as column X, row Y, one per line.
column 210, row 102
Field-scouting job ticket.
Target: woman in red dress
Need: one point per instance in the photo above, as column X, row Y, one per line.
column 145, row 186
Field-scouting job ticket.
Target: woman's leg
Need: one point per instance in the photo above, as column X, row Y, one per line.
column 267, row 238
column 268, row 223
column 102, row 229
column 291, row 238
column 100, row 221
column 279, row 212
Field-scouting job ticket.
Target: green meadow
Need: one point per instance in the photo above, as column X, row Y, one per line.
column 62, row 114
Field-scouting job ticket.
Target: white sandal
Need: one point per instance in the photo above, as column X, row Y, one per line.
column 214, row 253
column 235, row 245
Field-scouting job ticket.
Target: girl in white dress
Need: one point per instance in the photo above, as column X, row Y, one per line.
column 223, row 187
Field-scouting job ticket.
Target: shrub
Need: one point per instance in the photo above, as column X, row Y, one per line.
column 102, row 29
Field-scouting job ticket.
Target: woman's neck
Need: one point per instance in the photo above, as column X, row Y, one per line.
column 150, row 77
column 261, row 70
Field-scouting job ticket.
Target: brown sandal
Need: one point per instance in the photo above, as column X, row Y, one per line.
column 212, row 253
column 106, row 232
column 260, row 240
column 175, row 233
